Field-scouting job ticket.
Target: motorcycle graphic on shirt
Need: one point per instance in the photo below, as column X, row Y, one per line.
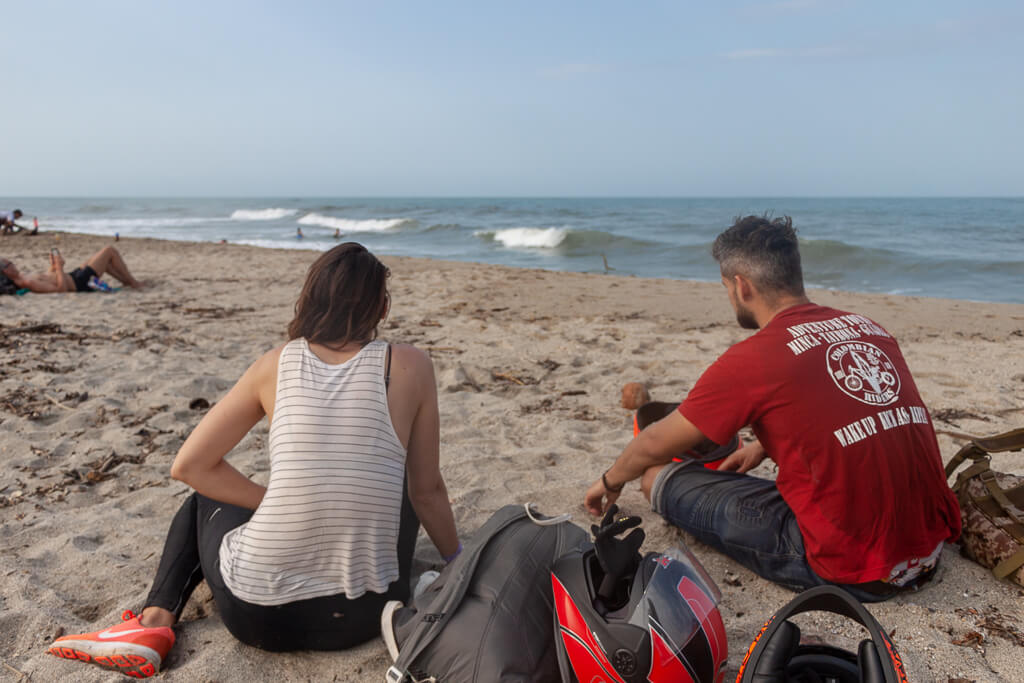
column 864, row 372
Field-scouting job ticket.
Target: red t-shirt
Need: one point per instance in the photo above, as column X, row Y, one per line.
column 830, row 398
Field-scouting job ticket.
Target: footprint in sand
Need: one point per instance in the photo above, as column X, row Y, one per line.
column 87, row 543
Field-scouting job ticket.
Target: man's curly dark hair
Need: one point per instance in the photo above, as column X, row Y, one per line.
column 764, row 250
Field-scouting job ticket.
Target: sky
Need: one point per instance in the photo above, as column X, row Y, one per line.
column 588, row 98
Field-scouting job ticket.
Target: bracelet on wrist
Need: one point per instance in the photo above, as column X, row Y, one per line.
column 449, row 558
column 608, row 487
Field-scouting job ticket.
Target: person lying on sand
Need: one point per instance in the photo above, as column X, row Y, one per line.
column 861, row 499
column 309, row 561
column 106, row 260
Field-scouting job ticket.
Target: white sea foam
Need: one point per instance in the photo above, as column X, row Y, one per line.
column 261, row 214
column 132, row 222
column 145, row 227
column 351, row 225
column 531, row 238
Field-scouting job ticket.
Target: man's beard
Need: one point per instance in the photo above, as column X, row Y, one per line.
column 745, row 318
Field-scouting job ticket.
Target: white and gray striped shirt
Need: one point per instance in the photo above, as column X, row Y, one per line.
column 329, row 521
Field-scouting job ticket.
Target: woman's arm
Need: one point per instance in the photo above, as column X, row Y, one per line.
column 427, row 491
column 200, row 461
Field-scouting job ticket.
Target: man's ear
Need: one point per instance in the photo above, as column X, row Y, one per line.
column 745, row 289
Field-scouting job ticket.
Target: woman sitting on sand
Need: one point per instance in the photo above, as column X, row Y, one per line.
column 332, row 535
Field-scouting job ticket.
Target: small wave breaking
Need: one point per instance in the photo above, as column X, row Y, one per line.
column 352, row 225
column 529, row 238
column 261, row 214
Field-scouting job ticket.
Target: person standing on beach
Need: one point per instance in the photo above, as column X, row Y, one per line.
column 106, row 260
column 309, row 561
column 861, row 498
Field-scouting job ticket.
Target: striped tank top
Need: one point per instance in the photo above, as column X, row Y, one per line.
column 329, row 521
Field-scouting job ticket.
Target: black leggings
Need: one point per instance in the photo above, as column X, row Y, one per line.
column 332, row 622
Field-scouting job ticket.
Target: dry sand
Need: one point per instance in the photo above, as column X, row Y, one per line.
column 98, row 391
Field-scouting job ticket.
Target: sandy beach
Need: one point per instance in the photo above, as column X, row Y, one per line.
column 97, row 392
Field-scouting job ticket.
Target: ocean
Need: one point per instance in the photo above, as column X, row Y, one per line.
column 960, row 248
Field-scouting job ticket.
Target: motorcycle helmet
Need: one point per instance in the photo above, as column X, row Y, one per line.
column 623, row 618
column 707, row 451
column 776, row 655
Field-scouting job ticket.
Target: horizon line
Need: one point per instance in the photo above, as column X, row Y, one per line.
column 498, row 196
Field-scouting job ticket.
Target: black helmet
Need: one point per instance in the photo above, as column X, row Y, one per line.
column 704, row 452
column 776, row 655
column 620, row 618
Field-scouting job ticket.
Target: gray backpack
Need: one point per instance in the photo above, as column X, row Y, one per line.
column 489, row 616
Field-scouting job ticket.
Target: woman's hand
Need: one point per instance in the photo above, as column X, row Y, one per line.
column 200, row 461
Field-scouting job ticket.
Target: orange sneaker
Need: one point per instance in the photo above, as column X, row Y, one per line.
column 131, row 648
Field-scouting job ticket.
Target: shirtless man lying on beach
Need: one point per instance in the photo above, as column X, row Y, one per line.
column 860, row 500
column 106, row 260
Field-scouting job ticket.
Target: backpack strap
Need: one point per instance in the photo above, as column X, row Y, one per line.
column 978, row 448
column 988, row 477
column 1009, row 565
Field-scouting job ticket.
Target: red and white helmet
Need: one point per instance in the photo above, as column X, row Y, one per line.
column 663, row 625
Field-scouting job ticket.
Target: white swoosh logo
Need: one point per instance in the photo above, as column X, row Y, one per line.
column 108, row 634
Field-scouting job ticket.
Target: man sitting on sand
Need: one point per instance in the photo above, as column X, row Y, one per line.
column 106, row 260
column 861, row 499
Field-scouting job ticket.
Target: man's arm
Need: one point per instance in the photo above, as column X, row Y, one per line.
column 44, row 283
column 53, row 280
column 655, row 445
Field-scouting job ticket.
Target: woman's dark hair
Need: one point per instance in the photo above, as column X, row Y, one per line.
column 765, row 251
column 344, row 298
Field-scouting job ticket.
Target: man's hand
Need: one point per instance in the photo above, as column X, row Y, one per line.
column 653, row 446
column 598, row 498
column 744, row 459
column 56, row 262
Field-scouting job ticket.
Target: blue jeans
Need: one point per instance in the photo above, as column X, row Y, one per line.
column 745, row 518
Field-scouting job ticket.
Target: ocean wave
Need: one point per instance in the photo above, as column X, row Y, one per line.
column 307, row 244
column 95, row 208
column 530, row 238
column 827, row 253
column 90, row 224
column 589, row 240
column 442, row 227
column 351, row 225
column 261, row 214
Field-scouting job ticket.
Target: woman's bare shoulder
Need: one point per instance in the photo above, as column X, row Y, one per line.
column 410, row 353
column 267, row 363
column 411, row 359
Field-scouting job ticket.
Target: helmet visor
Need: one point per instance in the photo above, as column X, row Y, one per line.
column 679, row 607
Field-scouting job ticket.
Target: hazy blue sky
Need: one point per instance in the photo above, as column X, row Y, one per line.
column 790, row 97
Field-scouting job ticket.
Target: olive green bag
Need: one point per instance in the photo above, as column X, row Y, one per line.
column 991, row 506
